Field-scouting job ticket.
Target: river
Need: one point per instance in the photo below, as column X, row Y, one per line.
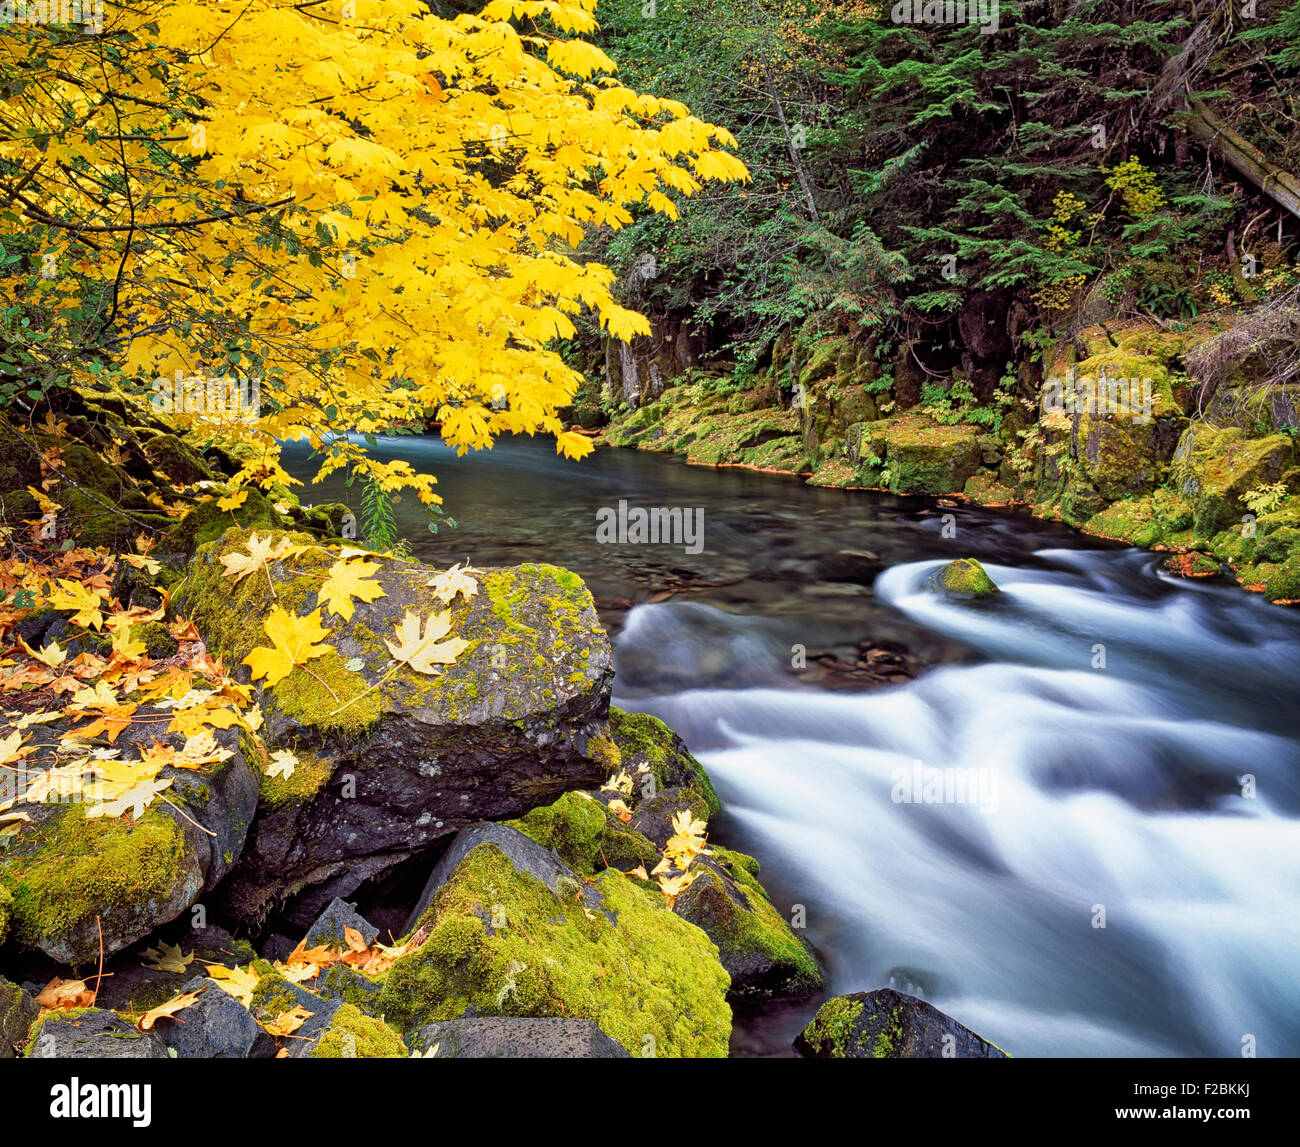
column 1067, row 816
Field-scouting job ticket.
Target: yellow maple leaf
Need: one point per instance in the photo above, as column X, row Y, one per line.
column 349, row 579
column 86, row 602
column 52, row 655
column 292, row 643
column 234, row 501
column 237, row 982
column 260, row 551
column 424, row 653
column 169, row 1009
column 166, row 958
column 451, row 582
column 282, row 764
column 286, row 1023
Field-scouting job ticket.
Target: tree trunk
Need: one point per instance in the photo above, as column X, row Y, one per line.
column 1244, row 158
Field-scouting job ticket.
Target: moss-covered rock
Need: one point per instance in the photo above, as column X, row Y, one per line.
column 759, row 949
column 206, row 522
column 886, row 1024
column 351, row 1034
column 1214, row 469
column 17, row 1013
column 963, row 578
column 496, row 940
column 586, row 835
column 393, row 759
column 157, row 641
column 73, row 879
column 656, row 758
column 177, row 460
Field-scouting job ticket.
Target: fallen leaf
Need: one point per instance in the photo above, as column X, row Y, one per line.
column 425, row 653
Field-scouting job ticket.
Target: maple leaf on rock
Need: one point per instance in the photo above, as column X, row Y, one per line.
column 260, row 551
column 425, row 652
column 348, row 580
column 451, row 582
column 293, row 642
column 169, row 1009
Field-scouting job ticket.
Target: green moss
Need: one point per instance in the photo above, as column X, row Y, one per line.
column 354, row 1035
column 69, row 869
column 889, row 1037
column 964, row 577
column 59, row 1016
column 310, row 775
column 6, row 911
column 158, row 642
column 587, row 836
column 651, row 982
column 833, row 1025
column 643, row 739
column 206, row 522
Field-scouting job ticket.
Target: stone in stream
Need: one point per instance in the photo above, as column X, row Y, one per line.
column 510, row 929
column 886, row 1024
column 517, row 1037
column 391, row 760
column 91, row 1033
column 960, row 579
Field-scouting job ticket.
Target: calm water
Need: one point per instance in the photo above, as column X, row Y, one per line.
column 1075, row 754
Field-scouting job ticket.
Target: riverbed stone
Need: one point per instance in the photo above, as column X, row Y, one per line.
column 963, row 578
column 391, row 760
column 215, row 1026
column 886, row 1024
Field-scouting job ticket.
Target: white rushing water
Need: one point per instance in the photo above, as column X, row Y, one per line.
column 1094, row 788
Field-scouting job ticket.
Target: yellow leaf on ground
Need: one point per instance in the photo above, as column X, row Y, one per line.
column 59, row 994
column 169, row 1009
column 237, row 982
column 286, row 1023
column 166, row 958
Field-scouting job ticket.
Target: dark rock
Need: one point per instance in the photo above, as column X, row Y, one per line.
column 345, row 985
column 135, row 982
column 409, row 758
column 653, row 817
column 94, row 1034
column 274, row 996
column 278, row 946
column 329, row 927
column 215, row 1026
column 886, row 1024
column 17, row 1012
column 515, row 1037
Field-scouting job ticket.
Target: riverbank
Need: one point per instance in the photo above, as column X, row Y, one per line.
column 1216, row 484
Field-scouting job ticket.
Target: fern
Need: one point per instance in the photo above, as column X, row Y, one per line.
column 380, row 521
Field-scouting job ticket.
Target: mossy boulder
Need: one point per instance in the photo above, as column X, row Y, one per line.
column 157, row 640
column 510, row 930
column 18, row 1011
column 587, row 835
column 1214, row 469
column 886, row 1024
column 73, row 878
column 333, row 1029
column 206, row 522
column 761, row 952
column 926, row 457
column 963, row 578
column 91, row 1033
column 392, row 760
column 351, row 1034
column 656, row 758
column 177, row 460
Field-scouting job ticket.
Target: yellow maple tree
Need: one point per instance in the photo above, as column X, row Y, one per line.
column 361, row 213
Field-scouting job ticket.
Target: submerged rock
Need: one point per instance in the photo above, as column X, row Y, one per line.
column 391, row 761
column 517, row 1037
column 511, row 930
column 886, row 1024
column 963, row 578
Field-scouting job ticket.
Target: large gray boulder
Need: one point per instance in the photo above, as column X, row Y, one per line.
column 93, row 1034
column 390, row 759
